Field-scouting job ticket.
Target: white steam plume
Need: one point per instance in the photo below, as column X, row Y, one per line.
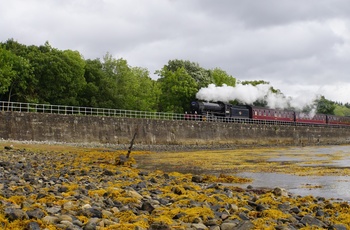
column 247, row 94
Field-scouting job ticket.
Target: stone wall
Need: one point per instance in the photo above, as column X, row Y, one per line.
column 103, row 130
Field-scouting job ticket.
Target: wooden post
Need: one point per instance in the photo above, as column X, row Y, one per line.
column 131, row 143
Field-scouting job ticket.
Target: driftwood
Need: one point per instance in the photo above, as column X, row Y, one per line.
column 131, row 144
column 123, row 159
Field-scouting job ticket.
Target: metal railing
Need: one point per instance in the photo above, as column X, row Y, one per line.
column 91, row 111
column 75, row 110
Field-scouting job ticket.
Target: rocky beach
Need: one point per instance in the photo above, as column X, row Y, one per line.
column 61, row 187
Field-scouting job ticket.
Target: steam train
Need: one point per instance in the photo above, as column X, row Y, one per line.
column 226, row 112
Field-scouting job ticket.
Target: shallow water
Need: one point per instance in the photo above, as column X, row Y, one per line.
column 334, row 186
column 337, row 187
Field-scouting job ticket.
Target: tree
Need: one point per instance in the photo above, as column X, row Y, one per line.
column 341, row 110
column 147, row 90
column 201, row 76
column 133, row 88
column 16, row 77
column 92, row 93
column 178, row 89
column 7, row 73
column 220, row 77
column 60, row 74
column 255, row 82
column 325, row 106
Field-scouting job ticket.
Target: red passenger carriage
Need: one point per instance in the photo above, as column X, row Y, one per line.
column 337, row 120
column 259, row 113
column 310, row 118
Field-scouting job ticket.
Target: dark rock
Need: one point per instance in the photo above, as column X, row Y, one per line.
column 284, row 227
column 251, row 203
column 156, row 191
column 36, row 213
column 8, row 147
column 339, row 227
column 33, row 226
column 212, row 222
column 147, row 206
column 176, row 190
column 143, row 173
column 284, row 206
column 122, row 160
column 260, row 208
column 163, row 201
column 106, row 172
column 90, row 226
column 319, row 212
column 179, row 215
column 244, row 225
column 310, row 220
column 4, row 164
column 166, row 176
column 15, row 214
column 141, row 185
column 215, row 207
column 295, row 210
column 40, row 195
column 92, row 212
column 214, row 185
column 159, row 226
column 63, row 189
column 243, row 216
column 197, row 179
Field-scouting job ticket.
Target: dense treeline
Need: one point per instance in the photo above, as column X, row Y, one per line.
column 43, row 74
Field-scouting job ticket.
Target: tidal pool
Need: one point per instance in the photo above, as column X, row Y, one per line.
column 327, row 186
column 337, row 187
column 318, row 171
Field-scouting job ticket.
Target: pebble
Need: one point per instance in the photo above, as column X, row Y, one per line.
column 60, row 190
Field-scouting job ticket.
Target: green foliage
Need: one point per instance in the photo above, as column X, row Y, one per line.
column 16, row 77
column 325, row 106
column 43, row 74
column 132, row 87
column 254, row 83
column 7, row 73
column 60, row 74
column 220, row 77
column 341, row 110
column 200, row 75
column 178, row 88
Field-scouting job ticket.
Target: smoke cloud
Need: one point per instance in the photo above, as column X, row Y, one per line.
column 248, row 94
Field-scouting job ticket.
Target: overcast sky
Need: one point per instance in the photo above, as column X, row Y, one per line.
column 298, row 46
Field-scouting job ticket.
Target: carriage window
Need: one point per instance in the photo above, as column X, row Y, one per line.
column 255, row 112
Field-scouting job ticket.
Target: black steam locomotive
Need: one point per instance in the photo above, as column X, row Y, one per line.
column 218, row 110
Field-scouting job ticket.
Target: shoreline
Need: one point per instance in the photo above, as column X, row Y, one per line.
column 84, row 189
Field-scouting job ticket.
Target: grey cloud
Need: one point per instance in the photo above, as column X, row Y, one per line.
column 289, row 43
